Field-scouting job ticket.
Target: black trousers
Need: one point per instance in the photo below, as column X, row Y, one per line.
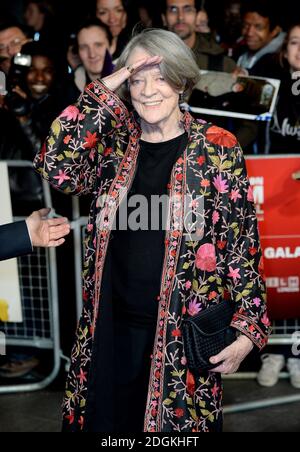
column 132, row 363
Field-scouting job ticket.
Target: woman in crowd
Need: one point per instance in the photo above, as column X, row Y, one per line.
column 129, row 370
column 115, row 14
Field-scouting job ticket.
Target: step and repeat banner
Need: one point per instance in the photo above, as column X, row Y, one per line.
column 10, row 299
column 277, row 198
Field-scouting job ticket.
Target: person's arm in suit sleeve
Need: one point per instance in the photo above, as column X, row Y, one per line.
column 17, row 239
column 14, row 240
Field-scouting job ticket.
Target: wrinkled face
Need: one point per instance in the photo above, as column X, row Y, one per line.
column 153, row 98
column 92, row 46
column 40, row 77
column 293, row 49
column 257, row 32
column 181, row 17
column 113, row 14
column 32, row 15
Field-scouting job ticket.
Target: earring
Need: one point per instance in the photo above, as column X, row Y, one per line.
column 181, row 97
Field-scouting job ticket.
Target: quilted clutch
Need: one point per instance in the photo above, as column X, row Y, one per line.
column 207, row 334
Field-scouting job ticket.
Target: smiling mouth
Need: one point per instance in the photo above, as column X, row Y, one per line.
column 39, row 88
column 152, row 104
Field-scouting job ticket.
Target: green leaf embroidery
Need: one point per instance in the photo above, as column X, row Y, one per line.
column 203, row 290
column 238, row 171
column 51, row 142
column 193, row 414
column 195, row 285
column 226, row 165
column 56, row 128
column 216, row 160
column 180, row 374
column 189, row 401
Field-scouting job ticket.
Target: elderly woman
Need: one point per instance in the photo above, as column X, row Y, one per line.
column 129, row 370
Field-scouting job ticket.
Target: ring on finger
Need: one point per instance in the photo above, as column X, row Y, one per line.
column 130, row 69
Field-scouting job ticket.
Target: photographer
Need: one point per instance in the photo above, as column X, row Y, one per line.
column 12, row 38
column 30, row 106
column 34, row 99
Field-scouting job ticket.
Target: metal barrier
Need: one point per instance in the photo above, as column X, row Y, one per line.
column 282, row 335
column 39, row 295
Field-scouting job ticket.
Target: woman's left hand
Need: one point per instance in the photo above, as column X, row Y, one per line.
column 231, row 357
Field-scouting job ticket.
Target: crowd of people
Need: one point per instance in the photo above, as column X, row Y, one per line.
column 250, row 41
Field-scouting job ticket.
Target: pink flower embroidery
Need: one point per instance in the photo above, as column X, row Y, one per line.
column 71, row 113
column 257, row 302
column 221, row 185
column 206, row 259
column 265, row 320
column 188, row 285
column 235, row 195
column 216, row 217
column 234, row 274
column 82, row 376
column 61, row 177
column 250, row 196
column 194, row 308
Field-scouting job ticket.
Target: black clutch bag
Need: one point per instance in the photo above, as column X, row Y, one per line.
column 207, row 334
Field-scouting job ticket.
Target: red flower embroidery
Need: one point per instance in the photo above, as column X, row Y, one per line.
column 179, row 412
column 221, row 245
column 200, row 160
column 90, row 140
column 252, row 251
column 221, row 137
column 67, row 139
column 191, row 384
column 205, row 183
column 176, row 333
column 212, row 296
column 71, row 417
column 107, row 152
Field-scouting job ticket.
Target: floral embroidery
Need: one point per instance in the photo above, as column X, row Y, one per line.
column 221, row 137
column 206, row 259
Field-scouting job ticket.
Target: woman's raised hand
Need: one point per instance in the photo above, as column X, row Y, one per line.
column 114, row 81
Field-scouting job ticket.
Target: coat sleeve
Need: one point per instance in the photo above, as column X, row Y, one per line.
column 244, row 263
column 70, row 157
column 14, row 240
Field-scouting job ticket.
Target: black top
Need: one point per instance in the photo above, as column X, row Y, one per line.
column 137, row 255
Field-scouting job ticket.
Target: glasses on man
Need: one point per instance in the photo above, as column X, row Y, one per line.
column 187, row 10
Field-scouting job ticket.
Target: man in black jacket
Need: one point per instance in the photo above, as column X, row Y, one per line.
column 17, row 239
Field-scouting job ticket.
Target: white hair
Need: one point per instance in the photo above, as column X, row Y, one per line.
column 178, row 67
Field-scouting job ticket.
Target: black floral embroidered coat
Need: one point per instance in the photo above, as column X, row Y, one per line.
column 93, row 148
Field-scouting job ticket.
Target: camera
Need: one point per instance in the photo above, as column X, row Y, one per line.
column 17, row 77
